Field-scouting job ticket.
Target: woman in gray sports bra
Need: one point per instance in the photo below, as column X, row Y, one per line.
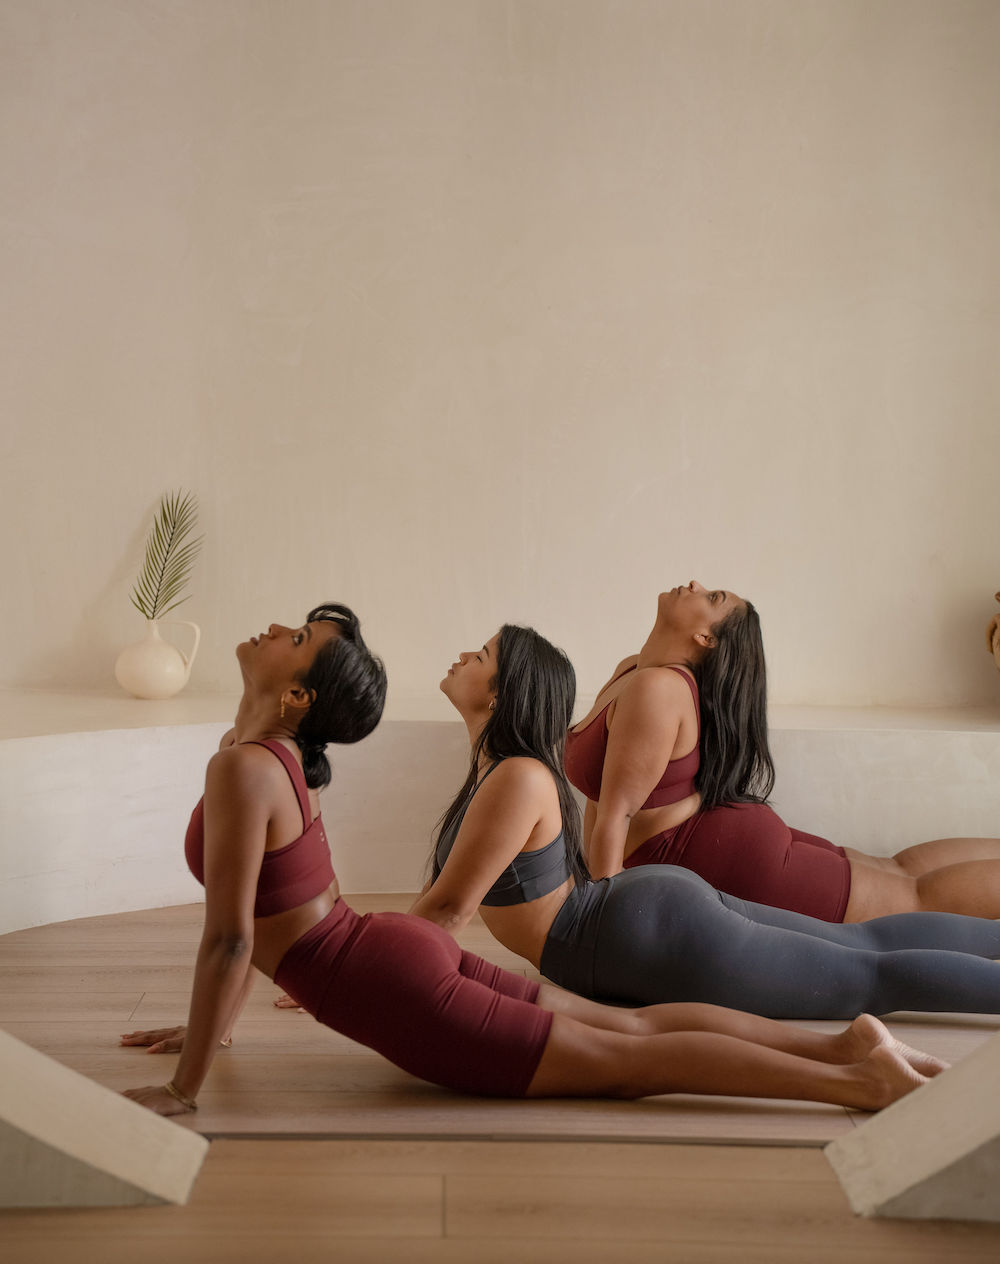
column 509, row 845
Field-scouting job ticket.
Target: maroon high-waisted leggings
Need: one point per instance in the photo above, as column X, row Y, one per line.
column 748, row 851
column 403, row 987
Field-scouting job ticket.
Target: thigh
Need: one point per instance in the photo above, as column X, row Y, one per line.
column 682, row 941
column 942, row 932
column 581, row 1061
column 409, row 992
column 680, row 945
column 941, row 852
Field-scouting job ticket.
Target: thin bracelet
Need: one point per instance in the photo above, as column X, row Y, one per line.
column 175, row 1092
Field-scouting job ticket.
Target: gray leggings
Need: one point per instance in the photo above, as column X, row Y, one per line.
column 661, row 933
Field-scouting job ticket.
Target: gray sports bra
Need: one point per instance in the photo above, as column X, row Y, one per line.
column 528, row 877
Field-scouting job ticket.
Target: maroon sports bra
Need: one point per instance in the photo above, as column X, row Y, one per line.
column 586, row 752
column 289, row 876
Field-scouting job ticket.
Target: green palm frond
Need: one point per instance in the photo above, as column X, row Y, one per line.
column 169, row 556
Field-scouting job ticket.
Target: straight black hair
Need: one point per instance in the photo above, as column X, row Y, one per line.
column 348, row 684
column 736, row 764
column 535, row 696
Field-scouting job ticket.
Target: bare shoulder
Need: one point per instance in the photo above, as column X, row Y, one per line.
column 244, row 766
column 522, row 768
column 656, row 684
column 519, row 774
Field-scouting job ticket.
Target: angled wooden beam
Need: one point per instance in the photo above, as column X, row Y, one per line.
column 933, row 1155
column 68, row 1142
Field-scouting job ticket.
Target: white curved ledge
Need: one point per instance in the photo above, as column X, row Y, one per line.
column 95, row 791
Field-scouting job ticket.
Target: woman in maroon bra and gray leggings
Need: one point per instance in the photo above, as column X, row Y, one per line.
column 673, row 759
column 403, row 986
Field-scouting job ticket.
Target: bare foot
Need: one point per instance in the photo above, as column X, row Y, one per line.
column 866, row 1034
column 885, row 1076
column 285, row 1001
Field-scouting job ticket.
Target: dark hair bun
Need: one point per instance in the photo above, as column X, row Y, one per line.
column 349, row 686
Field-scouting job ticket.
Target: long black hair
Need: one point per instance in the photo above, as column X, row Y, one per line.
column 736, row 764
column 348, row 684
column 535, row 695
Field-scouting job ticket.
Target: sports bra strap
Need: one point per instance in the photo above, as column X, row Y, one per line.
column 688, row 679
column 694, row 692
column 295, row 775
column 496, row 764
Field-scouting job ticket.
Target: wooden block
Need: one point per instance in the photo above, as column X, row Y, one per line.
column 68, row 1142
column 933, row 1155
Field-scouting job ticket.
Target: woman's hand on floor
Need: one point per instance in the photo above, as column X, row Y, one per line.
column 160, row 1040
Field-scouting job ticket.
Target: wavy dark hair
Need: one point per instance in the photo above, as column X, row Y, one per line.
column 736, row 764
column 535, row 695
column 348, row 684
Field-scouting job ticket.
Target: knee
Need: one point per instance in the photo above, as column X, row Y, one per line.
column 656, row 1020
column 615, row 1065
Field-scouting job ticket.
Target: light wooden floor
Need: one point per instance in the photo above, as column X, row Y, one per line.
column 393, row 1168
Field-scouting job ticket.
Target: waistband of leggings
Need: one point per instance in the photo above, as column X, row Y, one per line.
column 568, row 954
column 296, row 967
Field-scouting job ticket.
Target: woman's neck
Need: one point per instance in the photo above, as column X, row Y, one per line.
column 485, row 759
column 256, row 721
column 474, row 724
column 663, row 648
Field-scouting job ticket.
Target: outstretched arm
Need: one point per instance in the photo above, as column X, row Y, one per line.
column 236, row 817
column 506, row 811
column 641, row 738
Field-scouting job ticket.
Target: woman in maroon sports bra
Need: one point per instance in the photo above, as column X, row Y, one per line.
column 674, row 762
column 401, row 985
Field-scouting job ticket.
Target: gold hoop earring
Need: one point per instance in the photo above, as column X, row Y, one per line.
column 282, row 708
column 493, row 704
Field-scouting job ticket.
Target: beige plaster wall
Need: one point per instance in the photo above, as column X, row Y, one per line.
column 471, row 310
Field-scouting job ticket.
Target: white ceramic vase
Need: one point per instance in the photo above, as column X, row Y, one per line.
column 152, row 667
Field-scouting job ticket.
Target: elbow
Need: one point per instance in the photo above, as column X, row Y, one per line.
column 229, row 949
column 450, row 917
column 454, row 920
column 236, row 947
column 614, row 816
